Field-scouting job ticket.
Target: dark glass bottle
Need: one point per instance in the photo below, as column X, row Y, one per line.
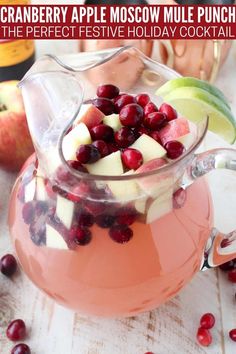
column 16, row 56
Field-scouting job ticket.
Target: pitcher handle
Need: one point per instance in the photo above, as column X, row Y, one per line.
column 220, row 247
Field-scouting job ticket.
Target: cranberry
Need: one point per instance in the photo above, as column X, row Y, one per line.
column 8, row 265
column 232, row 275
column 112, row 148
column 105, row 221
column 105, row 105
column 28, row 212
column 87, row 154
column 120, row 233
column 132, row 158
column 140, row 131
column 131, row 115
column 179, row 198
column 76, row 165
column 232, row 334
column 142, row 99
column 174, row 149
column 85, row 219
column 82, row 236
column 107, row 91
column 155, row 120
column 149, row 108
column 207, row 321
column 155, row 135
column 204, row 337
column 124, row 137
column 122, row 101
column 149, row 353
column 21, row 349
column 38, row 232
column 227, row 266
column 16, row 330
column 102, row 132
column 80, row 190
column 95, row 207
column 64, row 175
column 102, row 147
column 169, row 111
column 225, row 243
column 126, row 216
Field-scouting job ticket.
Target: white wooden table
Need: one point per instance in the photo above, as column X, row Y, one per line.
column 171, row 329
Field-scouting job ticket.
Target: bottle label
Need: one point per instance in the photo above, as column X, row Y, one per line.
column 15, row 52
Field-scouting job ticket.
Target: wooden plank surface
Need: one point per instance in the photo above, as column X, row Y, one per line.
column 168, row 330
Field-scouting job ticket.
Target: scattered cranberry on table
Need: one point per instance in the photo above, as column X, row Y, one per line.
column 8, row 265
column 207, row 321
column 16, row 330
column 21, row 349
column 232, row 334
column 204, row 337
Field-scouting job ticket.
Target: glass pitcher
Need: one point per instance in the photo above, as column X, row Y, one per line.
column 143, row 236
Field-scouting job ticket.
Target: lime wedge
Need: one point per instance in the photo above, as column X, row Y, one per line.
column 195, row 103
column 171, row 85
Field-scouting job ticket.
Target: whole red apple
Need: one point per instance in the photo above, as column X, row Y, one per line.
column 15, row 141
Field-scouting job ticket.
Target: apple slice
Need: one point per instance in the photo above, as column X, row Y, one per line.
column 110, row 165
column 77, row 136
column 140, row 205
column 113, row 121
column 41, row 193
column 159, row 207
column 54, row 239
column 149, row 148
column 89, row 115
column 30, row 190
column 174, row 130
column 65, row 211
column 124, row 190
column 156, row 184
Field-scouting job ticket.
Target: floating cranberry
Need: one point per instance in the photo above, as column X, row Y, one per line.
column 149, row 108
column 131, row 115
column 95, row 207
column 104, row 105
column 76, row 165
column 204, row 337
column 126, row 216
column 8, row 265
column 122, row 101
column 102, row 147
column 107, row 91
column 102, row 132
column 155, row 135
column 232, row 275
column 207, row 321
column 179, row 198
column 232, row 334
column 124, row 137
column 38, row 232
column 142, row 99
column 155, row 120
column 112, row 147
column 82, row 236
column 228, row 266
column 120, row 233
column 132, row 158
column 28, row 212
column 105, row 221
column 87, row 154
column 21, row 348
column 64, row 175
column 85, row 219
column 174, row 149
column 169, row 111
column 16, row 330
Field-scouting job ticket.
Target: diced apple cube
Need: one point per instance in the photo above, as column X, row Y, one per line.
column 65, row 211
column 110, row 165
column 140, row 205
column 30, row 190
column 113, row 121
column 149, row 148
column 41, row 193
column 77, row 136
column 54, row 239
column 159, row 207
column 89, row 115
column 174, row 130
column 124, row 190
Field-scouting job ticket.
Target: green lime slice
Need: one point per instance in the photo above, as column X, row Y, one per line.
column 195, row 103
column 171, row 85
